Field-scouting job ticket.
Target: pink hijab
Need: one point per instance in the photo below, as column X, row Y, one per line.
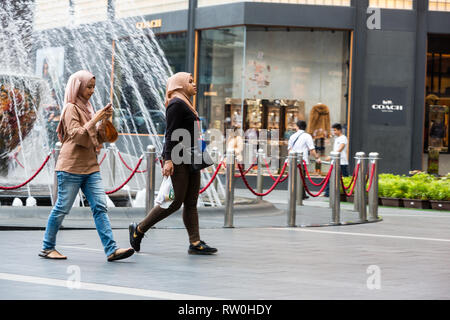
column 77, row 83
column 177, row 87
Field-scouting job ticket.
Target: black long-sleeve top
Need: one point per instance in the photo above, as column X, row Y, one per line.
column 179, row 116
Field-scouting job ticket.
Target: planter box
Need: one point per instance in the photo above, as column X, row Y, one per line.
column 416, row 203
column 391, row 202
column 349, row 198
column 440, row 204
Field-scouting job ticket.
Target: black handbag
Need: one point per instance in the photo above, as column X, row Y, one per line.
column 199, row 159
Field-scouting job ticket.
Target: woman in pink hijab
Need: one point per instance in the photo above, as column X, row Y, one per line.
column 81, row 132
column 180, row 114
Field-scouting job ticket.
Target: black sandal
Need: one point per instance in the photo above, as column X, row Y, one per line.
column 45, row 253
column 119, row 256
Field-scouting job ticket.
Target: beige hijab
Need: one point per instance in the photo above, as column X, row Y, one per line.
column 177, row 87
column 77, row 83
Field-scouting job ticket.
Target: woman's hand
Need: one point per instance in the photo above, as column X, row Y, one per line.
column 168, row 168
column 104, row 113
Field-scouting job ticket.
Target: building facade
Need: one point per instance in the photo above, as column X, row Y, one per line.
column 381, row 68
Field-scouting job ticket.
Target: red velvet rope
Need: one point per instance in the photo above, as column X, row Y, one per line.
column 127, row 166
column 309, row 178
column 15, row 158
column 372, row 172
column 212, row 178
column 354, row 184
column 270, row 173
column 271, row 188
column 128, row 179
column 104, row 157
column 32, row 177
column 246, row 171
column 327, row 179
column 350, row 184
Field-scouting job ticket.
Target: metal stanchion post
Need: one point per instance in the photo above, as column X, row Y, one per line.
column 335, row 189
column 292, row 185
column 150, row 154
column 358, row 156
column 112, row 162
column 330, row 186
column 259, row 177
column 229, row 197
column 300, row 188
column 360, row 188
column 214, row 157
column 373, row 192
column 58, row 146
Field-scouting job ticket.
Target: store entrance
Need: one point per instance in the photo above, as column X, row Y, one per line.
column 437, row 105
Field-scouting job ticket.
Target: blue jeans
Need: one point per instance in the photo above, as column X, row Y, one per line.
column 344, row 172
column 68, row 186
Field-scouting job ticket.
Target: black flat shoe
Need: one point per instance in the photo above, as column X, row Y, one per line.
column 121, row 255
column 135, row 236
column 201, row 248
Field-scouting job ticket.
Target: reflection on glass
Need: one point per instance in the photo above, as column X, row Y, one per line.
column 437, row 101
column 220, row 76
column 174, row 47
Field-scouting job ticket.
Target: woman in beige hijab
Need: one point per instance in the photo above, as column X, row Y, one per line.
column 82, row 132
column 181, row 116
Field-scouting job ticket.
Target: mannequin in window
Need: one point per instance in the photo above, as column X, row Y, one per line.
column 437, row 133
column 319, row 128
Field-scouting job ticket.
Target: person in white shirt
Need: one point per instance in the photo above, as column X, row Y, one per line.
column 340, row 145
column 302, row 141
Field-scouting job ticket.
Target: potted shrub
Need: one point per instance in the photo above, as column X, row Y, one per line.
column 391, row 190
column 417, row 194
column 439, row 194
column 344, row 196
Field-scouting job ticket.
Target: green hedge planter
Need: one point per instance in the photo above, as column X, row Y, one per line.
column 440, row 205
column 417, row 204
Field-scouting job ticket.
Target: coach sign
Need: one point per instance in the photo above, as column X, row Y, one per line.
column 387, row 105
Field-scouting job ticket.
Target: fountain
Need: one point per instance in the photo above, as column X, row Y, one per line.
column 130, row 69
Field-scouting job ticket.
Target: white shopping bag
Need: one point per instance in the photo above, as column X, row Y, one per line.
column 166, row 195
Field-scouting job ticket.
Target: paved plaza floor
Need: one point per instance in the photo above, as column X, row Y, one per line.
column 405, row 256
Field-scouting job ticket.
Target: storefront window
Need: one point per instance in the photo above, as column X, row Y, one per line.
column 204, row 3
column 220, row 77
column 437, row 100
column 297, row 74
column 174, row 47
column 290, row 74
column 439, row 5
column 133, row 8
column 391, row 4
column 51, row 14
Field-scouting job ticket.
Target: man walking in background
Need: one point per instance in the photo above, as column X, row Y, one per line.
column 340, row 145
column 301, row 141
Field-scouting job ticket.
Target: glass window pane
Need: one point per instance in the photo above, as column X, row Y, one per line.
column 292, row 74
column 437, row 101
column 132, row 8
column 439, row 5
column 220, row 73
column 204, row 3
column 174, row 47
column 51, row 14
column 391, row 4
column 89, row 11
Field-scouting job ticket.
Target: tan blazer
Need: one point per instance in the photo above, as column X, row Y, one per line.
column 81, row 141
